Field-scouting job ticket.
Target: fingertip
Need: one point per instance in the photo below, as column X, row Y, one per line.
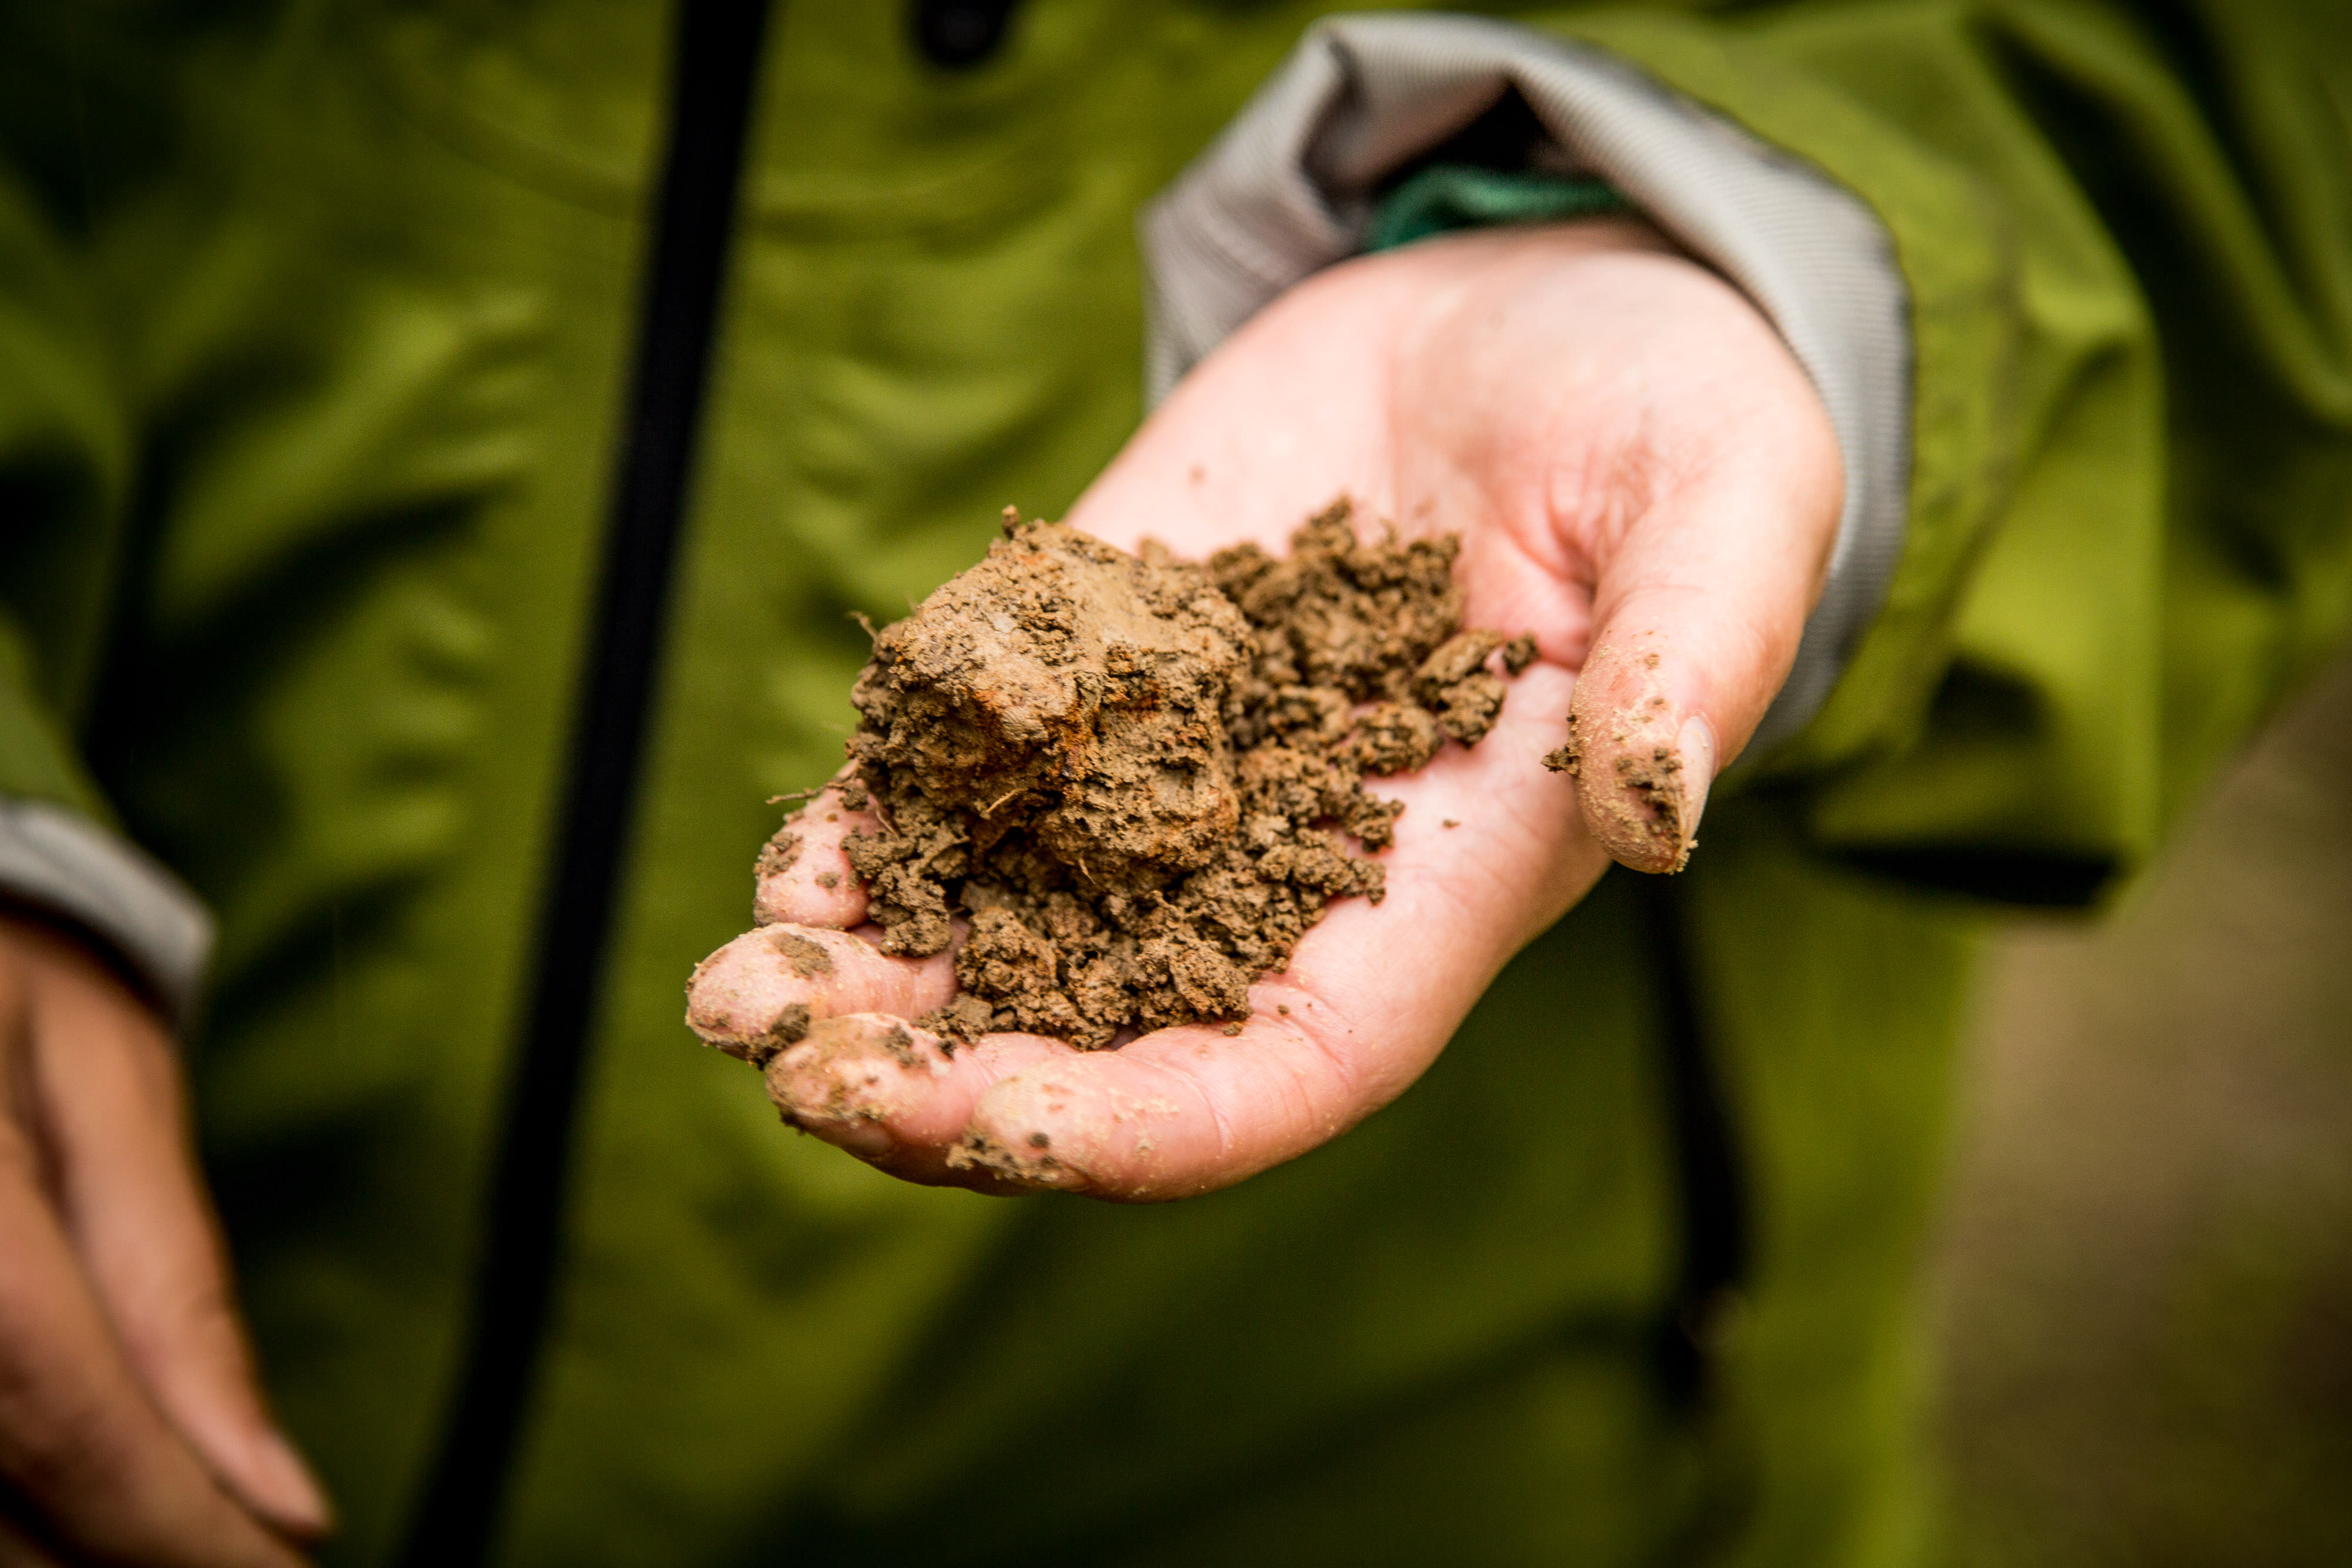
column 1180, row 1112
column 746, row 998
column 281, row 1486
column 761, row 992
column 804, row 876
column 851, row 1078
column 1643, row 762
column 897, row 1096
column 805, row 897
column 1022, row 1132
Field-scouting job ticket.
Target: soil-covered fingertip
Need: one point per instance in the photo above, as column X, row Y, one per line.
column 801, row 876
column 851, row 1078
column 1642, row 765
column 764, row 990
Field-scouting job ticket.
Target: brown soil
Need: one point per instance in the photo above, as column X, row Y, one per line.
column 1135, row 777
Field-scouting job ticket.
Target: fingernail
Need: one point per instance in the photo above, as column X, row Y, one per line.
column 292, row 1495
column 1696, row 742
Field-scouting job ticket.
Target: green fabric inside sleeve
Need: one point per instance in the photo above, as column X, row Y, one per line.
column 1445, row 197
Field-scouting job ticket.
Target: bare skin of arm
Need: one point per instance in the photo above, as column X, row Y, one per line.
column 132, row 1429
column 1641, row 477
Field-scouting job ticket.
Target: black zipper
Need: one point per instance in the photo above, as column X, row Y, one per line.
column 713, row 70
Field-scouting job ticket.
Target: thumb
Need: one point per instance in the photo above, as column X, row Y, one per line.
column 1697, row 615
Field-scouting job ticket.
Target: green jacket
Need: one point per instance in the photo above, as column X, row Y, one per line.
column 314, row 325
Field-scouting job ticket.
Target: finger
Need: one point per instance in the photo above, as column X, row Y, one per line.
column 761, row 992
column 1700, row 601
column 1486, row 855
column 78, row 1438
column 135, row 1211
column 897, row 1096
column 1698, row 625
column 803, row 878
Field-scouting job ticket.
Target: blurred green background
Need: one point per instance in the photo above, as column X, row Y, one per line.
column 2143, row 1286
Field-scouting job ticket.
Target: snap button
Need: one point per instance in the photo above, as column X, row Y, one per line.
column 958, row 33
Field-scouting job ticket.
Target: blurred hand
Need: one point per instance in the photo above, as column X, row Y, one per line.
column 1641, row 477
column 130, row 1428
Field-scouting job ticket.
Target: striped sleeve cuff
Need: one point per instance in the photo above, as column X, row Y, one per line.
column 61, row 863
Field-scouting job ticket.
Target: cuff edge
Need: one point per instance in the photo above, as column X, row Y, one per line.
column 59, row 863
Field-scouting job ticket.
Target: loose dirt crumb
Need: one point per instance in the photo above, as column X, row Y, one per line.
column 1652, row 781
column 1569, row 758
column 900, row 1045
column 808, row 961
column 791, row 1025
column 777, row 855
column 1135, row 777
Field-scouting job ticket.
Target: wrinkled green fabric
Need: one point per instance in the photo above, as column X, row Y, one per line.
column 313, row 324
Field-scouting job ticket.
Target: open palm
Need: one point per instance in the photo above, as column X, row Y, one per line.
column 1642, row 477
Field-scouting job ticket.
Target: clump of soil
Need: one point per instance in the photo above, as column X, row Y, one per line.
column 1136, row 777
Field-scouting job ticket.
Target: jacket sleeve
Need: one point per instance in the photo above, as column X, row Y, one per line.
column 64, row 481
column 2125, row 271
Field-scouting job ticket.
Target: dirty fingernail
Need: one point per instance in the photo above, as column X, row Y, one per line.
column 1696, row 741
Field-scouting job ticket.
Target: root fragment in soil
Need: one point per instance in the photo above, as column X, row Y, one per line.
column 1134, row 779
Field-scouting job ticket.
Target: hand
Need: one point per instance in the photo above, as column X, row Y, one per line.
column 130, row 1428
column 1641, row 477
